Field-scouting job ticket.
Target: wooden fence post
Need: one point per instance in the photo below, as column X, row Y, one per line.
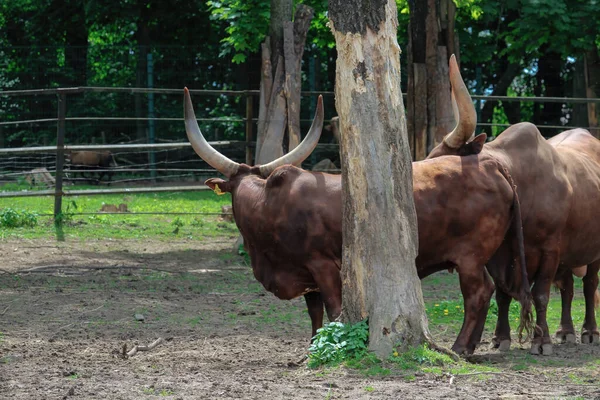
column 60, row 155
column 248, row 128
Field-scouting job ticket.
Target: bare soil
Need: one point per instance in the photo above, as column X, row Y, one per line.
column 68, row 310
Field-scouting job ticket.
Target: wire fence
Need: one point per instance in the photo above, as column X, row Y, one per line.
column 154, row 163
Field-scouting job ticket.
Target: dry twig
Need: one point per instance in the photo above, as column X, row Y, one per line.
column 521, row 377
column 137, row 348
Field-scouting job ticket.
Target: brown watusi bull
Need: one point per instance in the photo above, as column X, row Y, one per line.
column 91, row 161
column 291, row 221
column 557, row 181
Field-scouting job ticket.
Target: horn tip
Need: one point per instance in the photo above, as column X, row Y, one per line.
column 452, row 62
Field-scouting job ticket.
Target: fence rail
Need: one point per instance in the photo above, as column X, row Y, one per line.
column 59, row 151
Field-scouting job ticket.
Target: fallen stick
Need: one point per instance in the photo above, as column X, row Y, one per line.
column 521, row 377
column 137, row 348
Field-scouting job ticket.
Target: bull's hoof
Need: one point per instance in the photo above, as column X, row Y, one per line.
column 587, row 338
column 462, row 350
column 547, row 349
column 563, row 337
column 537, row 348
column 504, row 345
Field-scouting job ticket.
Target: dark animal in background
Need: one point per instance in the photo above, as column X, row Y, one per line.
column 291, row 222
column 92, row 162
column 558, row 183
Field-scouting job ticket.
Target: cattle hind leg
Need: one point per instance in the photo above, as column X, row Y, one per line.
column 589, row 332
column 501, row 339
column 541, row 343
column 477, row 289
column 566, row 330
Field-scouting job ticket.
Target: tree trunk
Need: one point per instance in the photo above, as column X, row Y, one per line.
column 549, row 79
column 579, row 115
column 431, row 42
column 281, row 12
column 380, row 227
column 501, row 89
column 294, row 34
column 143, row 45
column 279, row 108
column 592, row 82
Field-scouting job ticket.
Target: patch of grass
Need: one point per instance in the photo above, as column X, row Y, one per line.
column 148, row 390
column 369, row 389
column 575, row 378
column 418, row 357
column 195, row 320
column 121, row 226
column 368, row 364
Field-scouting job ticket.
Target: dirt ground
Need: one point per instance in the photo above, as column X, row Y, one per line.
column 67, row 315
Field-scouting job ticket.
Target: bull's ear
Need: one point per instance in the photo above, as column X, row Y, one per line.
column 219, row 186
column 478, row 142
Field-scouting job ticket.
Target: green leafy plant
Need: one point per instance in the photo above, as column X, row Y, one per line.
column 336, row 342
column 11, row 218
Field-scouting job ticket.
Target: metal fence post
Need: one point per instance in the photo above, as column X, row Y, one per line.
column 151, row 132
column 248, row 128
column 60, row 155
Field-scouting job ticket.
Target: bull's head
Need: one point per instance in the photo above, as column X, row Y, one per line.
column 459, row 142
column 235, row 171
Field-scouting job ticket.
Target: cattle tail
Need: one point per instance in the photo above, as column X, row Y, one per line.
column 524, row 296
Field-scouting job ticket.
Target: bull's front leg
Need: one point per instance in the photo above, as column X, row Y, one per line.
column 589, row 333
column 501, row 339
column 477, row 290
column 314, row 303
column 566, row 330
column 326, row 274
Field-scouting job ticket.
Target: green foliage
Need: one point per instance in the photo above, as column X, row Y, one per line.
column 552, row 25
column 336, row 342
column 11, row 218
column 248, row 22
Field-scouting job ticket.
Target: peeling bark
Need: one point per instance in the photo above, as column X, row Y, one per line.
column 380, row 227
column 294, row 37
column 266, row 85
column 279, row 107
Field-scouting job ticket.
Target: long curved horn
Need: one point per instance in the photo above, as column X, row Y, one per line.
column 304, row 149
column 463, row 105
column 215, row 159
